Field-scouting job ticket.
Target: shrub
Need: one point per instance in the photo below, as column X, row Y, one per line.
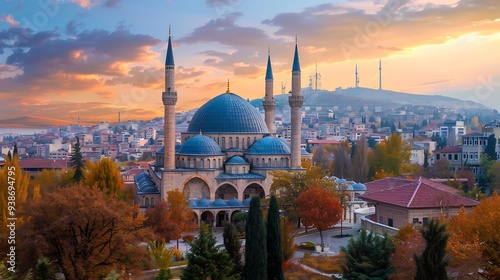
column 188, row 238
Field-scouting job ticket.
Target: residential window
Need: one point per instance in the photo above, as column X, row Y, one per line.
column 390, row 222
column 381, row 219
column 475, row 142
column 438, row 156
column 464, row 156
column 449, row 156
column 475, row 156
column 456, row 156
column 415, row 220
column 425, row 221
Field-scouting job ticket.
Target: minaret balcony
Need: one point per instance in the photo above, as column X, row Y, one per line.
column 169, row 97
column 296, row 101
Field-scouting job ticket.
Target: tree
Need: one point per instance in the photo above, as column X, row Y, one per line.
column 368, row 257
column 432, row 263
column 319, row 209
column 274, row 242
column 360, row 166
column 390, row 156
column 206, row 261
column 14, row 190
column 493, row 174
column 233, row 246
column 287, row 238
column 86, row 233
column 478, row 229
column 440, row 169
column 162, row 257
column 408, row 242
column 343, row 165
column 321, row 157
column 105, row 176
column 255, row 246
column 76, row 161
column 291, row 184
column 50, row 180
column 181, row 216
column 440, row 142
column 43, row 270
column 490, row 148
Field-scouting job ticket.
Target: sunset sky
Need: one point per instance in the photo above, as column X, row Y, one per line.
column 93, row 58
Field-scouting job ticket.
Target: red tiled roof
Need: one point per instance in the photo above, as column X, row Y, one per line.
column 44, row 163
column 450, row 149
column 324, row 142
column 414, row 193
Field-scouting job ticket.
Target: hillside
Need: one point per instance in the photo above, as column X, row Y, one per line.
column 32, row 122
column 357, row 97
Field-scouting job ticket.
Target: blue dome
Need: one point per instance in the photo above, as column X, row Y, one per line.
column 269, row 145
column 192, row 204
column 341, row 181
column 237, row 160
column 203, row 202
column 220, row 203
column 227, row 113
column 200, row 145
column 234, row 202
column 246, row 202
column 359, row 187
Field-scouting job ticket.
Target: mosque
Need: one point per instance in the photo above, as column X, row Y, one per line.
column 227, row 153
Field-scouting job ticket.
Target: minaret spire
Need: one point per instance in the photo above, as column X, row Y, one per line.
column 268, row 103
column 296, row 100
column 380, row 74
column 227, row 91
column 169, row 98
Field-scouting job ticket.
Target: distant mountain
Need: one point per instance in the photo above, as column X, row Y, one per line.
column 32, row 122
column 358, row 97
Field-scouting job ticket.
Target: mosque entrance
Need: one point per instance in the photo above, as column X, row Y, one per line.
column 207, row 217
column 222, row 217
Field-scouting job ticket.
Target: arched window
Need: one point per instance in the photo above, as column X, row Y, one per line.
column 215, row 165
column 223, row 146
column 189, row 163
column 218, row 163
column 230, row 142
column 243, row 143
column 208, row 163
column 282, row 163
column 248, row 141
column 202, row 163
column 237, row 144
column 243, row 169
column 146, row 202
column 230, row 170
column 152, row 201
column 182, row 164
column 257, row 162
column 269, row 162
column 275, row 162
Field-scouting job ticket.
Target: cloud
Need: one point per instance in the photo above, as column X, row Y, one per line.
column 72, row 27
column 9, row 19
column 111, row 3
column 85, row 61
column 218, row 3
column 87, row 4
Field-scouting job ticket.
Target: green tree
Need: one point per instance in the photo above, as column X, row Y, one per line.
column 233, row 246
column 368, row 257
column 255, row 246
column 206, row 260
column 104, row 175
column 360, row 165
column 490, row 148
column 343, row 165
column 390, row 156
column 76, row 161
column 43, row 270
column 274, row 242
column 431, row 265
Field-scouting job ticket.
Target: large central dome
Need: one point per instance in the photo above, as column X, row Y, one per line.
column 227, row 113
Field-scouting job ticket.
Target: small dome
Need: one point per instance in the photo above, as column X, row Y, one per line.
column 246, row 202
column 203, row 202
column 359, row 187
column 227, row 113
column 269, row 145
column 304, row 152
column 341, row 181
column 200, row 145
column 192, row 204
column 161, row 150
column 220, row 203
column 237, row 160
column 234, row 202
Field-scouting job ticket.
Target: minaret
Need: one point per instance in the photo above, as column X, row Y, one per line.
column 356, row 82
column 296, row 100
column 268, row 103
column 169, row 97
column 380, row 74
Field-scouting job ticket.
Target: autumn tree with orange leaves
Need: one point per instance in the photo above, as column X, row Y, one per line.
column 170, row 218
column 84, row 232
column 474, row 237
column 318, row 208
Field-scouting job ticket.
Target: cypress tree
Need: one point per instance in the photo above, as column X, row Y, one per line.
column 77, row 162
column 274, row 242
column 206, row 261
column 255, row 246
column 431, row 265
column 233, row 246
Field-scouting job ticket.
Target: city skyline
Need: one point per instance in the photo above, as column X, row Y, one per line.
column 93, row 59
